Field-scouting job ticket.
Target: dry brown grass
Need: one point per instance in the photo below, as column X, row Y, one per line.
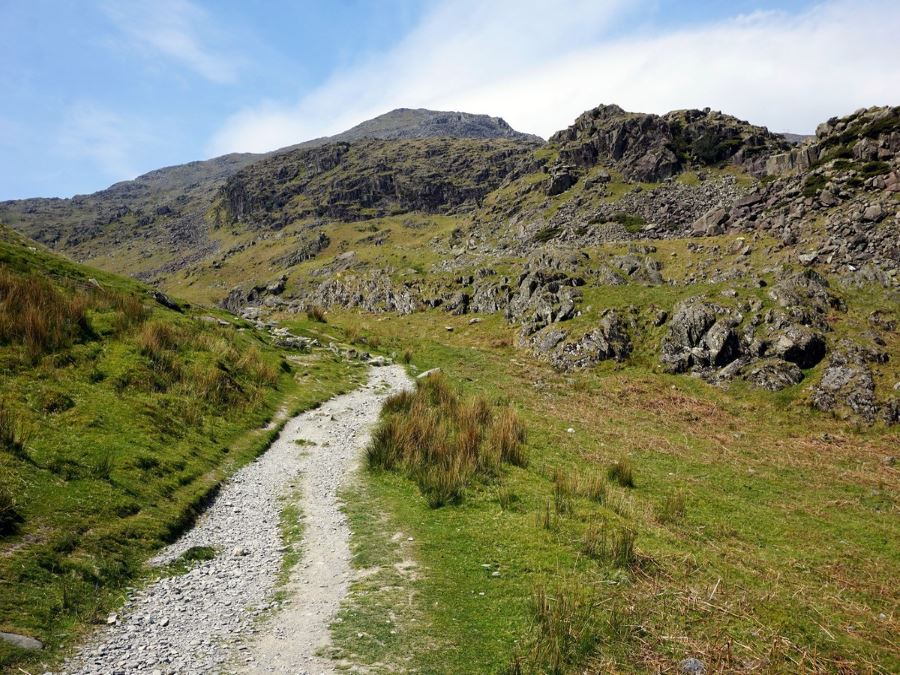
column 12, row 431
column 507, row 437
column 316, row 313
column 35, row 314
column 257, row 368
column 444, row 442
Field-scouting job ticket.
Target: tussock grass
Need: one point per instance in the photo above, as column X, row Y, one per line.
column 613, row 546
column 12, row 431
column 443, row 442
column 565, row 615
column 260, row 371
column 36, row 315
column 407, row 356
column 594, row 487
column 622, row 472
column 672, row 509
column 565, row 487
column 507, row 436
column 316, row 313
column 45, row 316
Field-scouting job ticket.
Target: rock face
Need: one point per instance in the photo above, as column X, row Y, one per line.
column 847, row 385
column 652, row 148
column 611, row 339
column 238, row 298
column 845, row 178
column 307, row 250
column 370, row 178
column 373, row 292
column 546, row 292
column 769, row 351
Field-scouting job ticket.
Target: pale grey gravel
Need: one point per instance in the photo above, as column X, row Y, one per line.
column 208, row 620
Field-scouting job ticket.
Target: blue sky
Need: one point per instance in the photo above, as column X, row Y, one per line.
column 95, row 91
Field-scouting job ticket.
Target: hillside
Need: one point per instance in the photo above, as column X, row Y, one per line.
column 121, row 412
column 169, row 210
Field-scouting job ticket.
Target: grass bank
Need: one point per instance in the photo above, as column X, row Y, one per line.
column 658, row 519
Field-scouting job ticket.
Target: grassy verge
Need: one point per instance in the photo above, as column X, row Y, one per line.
column 119, row 418
column 674, row 520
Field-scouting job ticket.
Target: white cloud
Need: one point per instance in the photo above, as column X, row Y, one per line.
column 539, row 65
column 176, row 30
column 92, row 132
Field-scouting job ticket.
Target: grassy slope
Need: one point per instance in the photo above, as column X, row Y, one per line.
column 120, row 450
column 783, row 559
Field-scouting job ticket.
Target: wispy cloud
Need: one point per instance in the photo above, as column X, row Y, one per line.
column 93, row 133
column 176, row 30
column 539, row 66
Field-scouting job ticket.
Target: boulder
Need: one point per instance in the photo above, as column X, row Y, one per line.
column 848, row 384
column 711, row 222
column 690, row 323
column 21, row 641
column 798, row 344
column 722, row 344
column 773, row 374
column 562, row 177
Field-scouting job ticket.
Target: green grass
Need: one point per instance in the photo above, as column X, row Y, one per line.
column 739, row 498
column 117, row 434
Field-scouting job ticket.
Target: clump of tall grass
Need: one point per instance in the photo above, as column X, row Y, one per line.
column 316, row 313
column 565, row 615
column 38, row 316
column 12, row 432
column 442, row 441
column 564, row 488
column 672, row 509
column 594, row 487
column 260, row 372
column 622, row 472
column 614, row 546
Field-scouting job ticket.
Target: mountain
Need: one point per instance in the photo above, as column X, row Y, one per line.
column 408, row 123
column 168, row 209
column 696, row 201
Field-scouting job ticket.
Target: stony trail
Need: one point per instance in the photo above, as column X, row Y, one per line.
column 219, row 616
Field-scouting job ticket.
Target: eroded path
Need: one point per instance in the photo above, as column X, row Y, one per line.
column 207, row 620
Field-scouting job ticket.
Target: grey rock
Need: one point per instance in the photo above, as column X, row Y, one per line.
column 774, row 374
column 799, row 344
column 21, row 641
column 692, row 666
column 692, row 319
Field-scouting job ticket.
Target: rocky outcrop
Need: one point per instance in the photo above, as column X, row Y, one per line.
column 240, row 298
column 609, row 340
column 768, row 350
column 370, row 178
column 546, row 291
column 652, row 148
column 847, row 385
column 373, row 292
column 306, row 250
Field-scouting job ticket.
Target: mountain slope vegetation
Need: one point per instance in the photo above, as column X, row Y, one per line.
column 119, row 416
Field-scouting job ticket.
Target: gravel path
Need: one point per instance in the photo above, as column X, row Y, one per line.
column 207, row 619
